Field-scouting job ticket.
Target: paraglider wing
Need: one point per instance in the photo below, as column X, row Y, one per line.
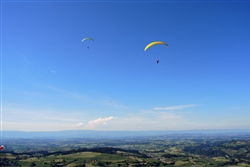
column 154, row 43
column 1, row 147
column 84, row 39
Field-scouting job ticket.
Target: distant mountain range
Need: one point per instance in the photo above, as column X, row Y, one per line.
column 113, row 134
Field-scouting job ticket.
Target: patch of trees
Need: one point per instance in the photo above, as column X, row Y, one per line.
column 33, row 164
column 42, row 152
column 200, row 150
column 233, row 162
column 216, row 149
column 170, row 156
column 8, row 162
column 108, row 150
column 155, row 151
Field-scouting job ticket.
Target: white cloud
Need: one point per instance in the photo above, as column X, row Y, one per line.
column 179, row 107
column 78, row 124
column 97, row 122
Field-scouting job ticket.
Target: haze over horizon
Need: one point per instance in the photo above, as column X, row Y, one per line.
column 52, row 81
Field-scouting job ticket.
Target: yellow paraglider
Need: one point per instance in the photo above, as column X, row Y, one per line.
column 154, row 43
column 84, row 39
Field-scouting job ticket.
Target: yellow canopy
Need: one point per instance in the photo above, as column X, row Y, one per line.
column 154, row 43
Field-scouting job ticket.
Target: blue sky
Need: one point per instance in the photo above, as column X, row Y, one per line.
column 52, row 81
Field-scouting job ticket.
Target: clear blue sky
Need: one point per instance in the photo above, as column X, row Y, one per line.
column 52, row 81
